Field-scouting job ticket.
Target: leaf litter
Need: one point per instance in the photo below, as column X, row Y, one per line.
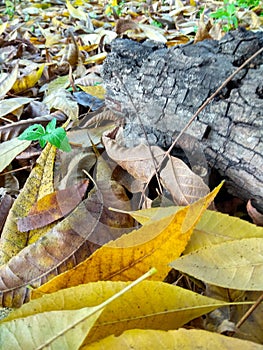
column 42, row 43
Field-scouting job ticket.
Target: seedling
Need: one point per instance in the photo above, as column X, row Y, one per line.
column 227, row 14
column 56, row 136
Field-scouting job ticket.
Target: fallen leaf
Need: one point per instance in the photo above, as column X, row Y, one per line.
column 51, row 254
column 10, row 149
column 65, row 328
column 236, row 264
column 256, row 216
column 184, row 339
column 124, row 259
column 7, row 83
column 213, row 227
column 8, row 106
column 184, row 185
column 57, row 329
column 149, row 305
column 52, row 207
column 28, row 81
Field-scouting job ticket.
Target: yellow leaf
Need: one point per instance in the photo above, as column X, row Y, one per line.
column 28, row 81
column 154, row 244
column 213, row 228
column 59, row 329
column 39, row 183
column 149, row 305
column 76, row 13
column 183, row 339
column 236, row 264
column 97, row 91
column 99, row 58
column 65, row 329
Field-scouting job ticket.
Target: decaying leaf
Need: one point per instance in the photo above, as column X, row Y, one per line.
column 39, row 183
column 52, row 207
column 132, row 254
column 39, row 262
column 184, row 185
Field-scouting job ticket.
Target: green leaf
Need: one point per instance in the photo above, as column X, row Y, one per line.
column 56, row 137
column 51, row 126
column 33, row 132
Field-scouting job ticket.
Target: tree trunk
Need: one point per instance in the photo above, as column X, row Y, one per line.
column 167, row 86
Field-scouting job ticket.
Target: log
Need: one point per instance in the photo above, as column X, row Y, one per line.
column 167, row 86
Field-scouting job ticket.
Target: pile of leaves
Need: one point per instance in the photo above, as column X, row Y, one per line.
column 83, row 219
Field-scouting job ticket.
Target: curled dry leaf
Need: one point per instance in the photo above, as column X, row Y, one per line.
column 255, row 215
column 185, row 186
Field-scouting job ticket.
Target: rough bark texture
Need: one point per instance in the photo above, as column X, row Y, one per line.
column 167, row 87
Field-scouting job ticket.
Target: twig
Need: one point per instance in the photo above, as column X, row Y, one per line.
column 249, row 311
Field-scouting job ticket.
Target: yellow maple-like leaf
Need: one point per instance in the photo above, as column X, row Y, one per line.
column 156, row 244
column 39, row 183
column 28, row 81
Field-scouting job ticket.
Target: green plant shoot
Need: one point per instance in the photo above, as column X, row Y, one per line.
column 56, row 136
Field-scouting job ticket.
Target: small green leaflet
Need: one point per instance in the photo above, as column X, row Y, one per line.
column 56, row 136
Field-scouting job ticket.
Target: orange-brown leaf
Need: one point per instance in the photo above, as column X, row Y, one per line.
column 52, row 207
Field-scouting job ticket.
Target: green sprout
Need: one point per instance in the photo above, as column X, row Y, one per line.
column 56, row 136
column 227, row 14
column 10, row 8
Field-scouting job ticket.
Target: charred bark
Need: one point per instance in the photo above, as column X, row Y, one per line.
column 167, row 87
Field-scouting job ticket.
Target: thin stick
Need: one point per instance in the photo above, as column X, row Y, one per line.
column 249, row 311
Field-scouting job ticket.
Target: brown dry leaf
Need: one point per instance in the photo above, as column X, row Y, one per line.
column 52, row 207
column 6, row 202
column 39, row 183
column 122, row 25
column 154, row 244
column 184, row 185
column 40, row 261
column 255, row 215
column 111, row 224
